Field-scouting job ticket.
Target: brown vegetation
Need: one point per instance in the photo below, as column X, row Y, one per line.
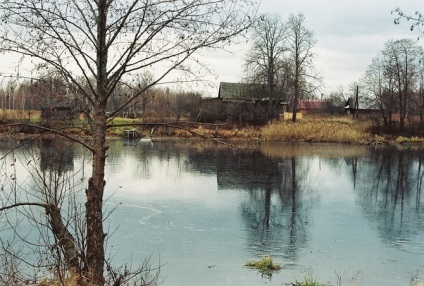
column 326, row 129
column 318, row 130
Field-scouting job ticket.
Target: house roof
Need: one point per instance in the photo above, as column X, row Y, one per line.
column 311, row 104
column 242, row 91
column 57, row 102
column 362, row 104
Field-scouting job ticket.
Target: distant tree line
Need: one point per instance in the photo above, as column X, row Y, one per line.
column 394, row 85
column 154, row 103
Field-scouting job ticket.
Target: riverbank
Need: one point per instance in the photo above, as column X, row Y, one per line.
column 323, row 130
column 316, row 130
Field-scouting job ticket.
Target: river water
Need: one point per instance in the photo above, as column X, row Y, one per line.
column 202, row 210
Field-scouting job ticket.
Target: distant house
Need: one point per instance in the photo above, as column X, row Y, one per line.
column 58, row 108
column 242, row 92
column 311, row 106
column 251, row 94
column 240, row 102
column 248, row 102
column 355, row 108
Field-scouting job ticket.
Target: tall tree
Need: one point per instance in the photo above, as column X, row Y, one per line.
column 420, row 99
column 393, row 81
column 264, row 61
column 104, row 42
column 401, row 59
column 378, row 87
column 300, row 41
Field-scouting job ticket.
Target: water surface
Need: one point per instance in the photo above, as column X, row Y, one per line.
column 203, row 210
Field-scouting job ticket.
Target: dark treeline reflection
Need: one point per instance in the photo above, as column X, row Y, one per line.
column 275, row 208
column 389, row 189
column 56, row 155
column 276, row 212
column 277, row 200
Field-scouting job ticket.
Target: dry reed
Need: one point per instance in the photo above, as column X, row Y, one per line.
column 317, row 130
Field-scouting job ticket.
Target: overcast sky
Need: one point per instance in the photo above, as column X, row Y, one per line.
column 349, row 34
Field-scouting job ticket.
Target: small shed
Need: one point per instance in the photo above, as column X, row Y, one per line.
column 313, row 106
column 353, row 107
column 58, row 108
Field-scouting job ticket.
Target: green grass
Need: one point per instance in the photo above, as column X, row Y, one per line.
column 265, row 265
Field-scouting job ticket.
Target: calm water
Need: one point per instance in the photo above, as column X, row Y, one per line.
column 202, row 210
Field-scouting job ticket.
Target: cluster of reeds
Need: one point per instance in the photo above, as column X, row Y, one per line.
column 221, row 132
column 317, row 130
column 264, row 265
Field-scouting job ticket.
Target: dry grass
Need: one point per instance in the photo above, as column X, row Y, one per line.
column 16, row 115
column 338, row 130
column 67, row 282
column 220, row 132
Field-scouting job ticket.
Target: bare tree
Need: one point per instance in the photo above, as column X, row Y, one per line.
column 402, row 57
column 336, row 101
column 300, row 41
column 142, row 81
column 420, row 99
column 377, row 86
column 417, row 20
column 103, row 42
column 393, row 81
column 264, row 61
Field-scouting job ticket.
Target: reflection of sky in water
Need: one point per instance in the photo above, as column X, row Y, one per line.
column 204, row 211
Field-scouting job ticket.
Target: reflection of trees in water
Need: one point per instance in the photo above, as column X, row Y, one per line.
column 275, row 209
column 296, row 200
column 276, row 213
column 165, row 153
column 56, row 155
column 278, row 195
column 391, row 196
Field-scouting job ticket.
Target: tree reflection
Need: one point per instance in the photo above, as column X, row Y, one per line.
column 278, row 194
column 391, row 196
column 275, row 209
column 56, row 155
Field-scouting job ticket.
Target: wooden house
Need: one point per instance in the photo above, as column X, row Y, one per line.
column 58, row 108
column 252, row 98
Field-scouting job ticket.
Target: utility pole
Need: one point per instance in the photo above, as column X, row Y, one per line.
column 356, row 106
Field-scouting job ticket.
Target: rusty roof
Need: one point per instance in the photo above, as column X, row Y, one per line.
column 311, row 104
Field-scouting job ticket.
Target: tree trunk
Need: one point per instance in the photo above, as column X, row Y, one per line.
column 94, row 215
column 64, row 239
column 270, row 88
column 296, row 78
